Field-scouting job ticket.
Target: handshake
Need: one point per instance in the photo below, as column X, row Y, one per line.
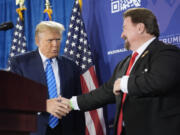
column 58, row 107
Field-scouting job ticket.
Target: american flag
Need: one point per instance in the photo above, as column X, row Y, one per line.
column 77, row 48
column 19, row 40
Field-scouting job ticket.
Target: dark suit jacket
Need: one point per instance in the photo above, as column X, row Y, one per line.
column 30, row 65
column 152, row 105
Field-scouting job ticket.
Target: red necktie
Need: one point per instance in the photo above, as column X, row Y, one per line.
column 119, row 127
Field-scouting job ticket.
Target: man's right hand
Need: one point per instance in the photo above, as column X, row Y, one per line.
column 58, row 107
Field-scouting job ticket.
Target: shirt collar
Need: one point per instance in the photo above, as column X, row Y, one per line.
column 141, row 49
column 44, row 58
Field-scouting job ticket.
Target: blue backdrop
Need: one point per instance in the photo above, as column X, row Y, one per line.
column 103, row 22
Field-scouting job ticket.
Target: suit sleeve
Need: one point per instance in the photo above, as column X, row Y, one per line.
column 160, row 77
column 100, row 96
column 14, row 66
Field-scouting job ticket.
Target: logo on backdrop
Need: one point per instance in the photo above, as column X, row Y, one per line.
column 111, row 52
column 171, row 39
column 121, row 5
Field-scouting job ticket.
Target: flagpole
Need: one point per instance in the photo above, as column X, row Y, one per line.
column 48, row 10
column 47, row 4
column 21, row 8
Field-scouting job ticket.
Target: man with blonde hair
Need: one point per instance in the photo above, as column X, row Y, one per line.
column 59, row 74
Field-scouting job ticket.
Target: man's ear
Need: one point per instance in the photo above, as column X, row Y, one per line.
column 37, row 40
column 141, row 28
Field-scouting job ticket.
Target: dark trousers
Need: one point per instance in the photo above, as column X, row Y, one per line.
column 54, row 131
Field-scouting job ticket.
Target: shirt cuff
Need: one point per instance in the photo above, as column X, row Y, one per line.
column 74, row 104
column 124, row 83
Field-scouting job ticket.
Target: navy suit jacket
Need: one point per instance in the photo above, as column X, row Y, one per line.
column 30, row 66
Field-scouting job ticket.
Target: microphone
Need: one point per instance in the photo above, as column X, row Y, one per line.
column 6, row 26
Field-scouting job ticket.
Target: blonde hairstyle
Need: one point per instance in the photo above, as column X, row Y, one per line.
column 49, row 25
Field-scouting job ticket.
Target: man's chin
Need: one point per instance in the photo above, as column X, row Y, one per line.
column 54, row 55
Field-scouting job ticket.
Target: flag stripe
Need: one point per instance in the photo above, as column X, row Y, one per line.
column 101, row 118
column 89, row 124
column 94, row 78
column 95, row 118
column 91, row 77
column 87, row 132
column 89, row 85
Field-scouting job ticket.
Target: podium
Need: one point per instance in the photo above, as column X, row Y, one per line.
column 20, row 101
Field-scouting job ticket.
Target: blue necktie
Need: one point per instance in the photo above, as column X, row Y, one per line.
column 51, row 83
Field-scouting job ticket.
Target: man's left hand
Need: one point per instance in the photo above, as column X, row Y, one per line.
column 116, row 88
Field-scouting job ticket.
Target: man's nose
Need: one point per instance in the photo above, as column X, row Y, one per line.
column 55, row 42
column 122, row 34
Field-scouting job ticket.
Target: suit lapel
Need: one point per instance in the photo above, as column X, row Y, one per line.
column 123, row 67
column 39, row 69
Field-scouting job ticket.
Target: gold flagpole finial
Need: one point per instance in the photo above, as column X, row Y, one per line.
column 21, row 8
column 48, row 9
